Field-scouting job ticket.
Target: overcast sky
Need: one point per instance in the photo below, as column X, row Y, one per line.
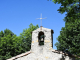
column 17, row 15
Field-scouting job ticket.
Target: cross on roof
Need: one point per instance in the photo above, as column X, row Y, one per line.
column 41, row 19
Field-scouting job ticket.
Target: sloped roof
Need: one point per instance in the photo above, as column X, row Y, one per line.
column 65, row 53
column 55, row 51
column 21, row 55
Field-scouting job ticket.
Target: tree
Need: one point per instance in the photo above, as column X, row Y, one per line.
column 26, row 37
column 9, row 43
column 12, row 45
column 69, row 38
column 6, row 32
column 72, row 7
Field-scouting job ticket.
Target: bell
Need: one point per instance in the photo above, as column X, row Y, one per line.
column 41, row 39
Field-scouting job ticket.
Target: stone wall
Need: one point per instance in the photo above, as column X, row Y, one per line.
column 44, row 52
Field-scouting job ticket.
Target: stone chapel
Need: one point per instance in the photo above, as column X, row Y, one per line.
column 41, row 47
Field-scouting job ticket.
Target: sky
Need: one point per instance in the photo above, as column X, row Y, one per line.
column 17, row 15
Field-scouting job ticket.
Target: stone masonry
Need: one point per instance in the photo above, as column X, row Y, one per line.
column 42, row 52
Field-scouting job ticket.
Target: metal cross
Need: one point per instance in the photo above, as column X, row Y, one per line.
column 41, row 19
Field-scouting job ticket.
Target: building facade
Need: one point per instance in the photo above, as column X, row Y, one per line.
column 41, row 47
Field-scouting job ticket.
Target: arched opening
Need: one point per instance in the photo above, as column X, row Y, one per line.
column 41, row 38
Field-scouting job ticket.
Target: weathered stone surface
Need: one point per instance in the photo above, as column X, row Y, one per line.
column 44, row 52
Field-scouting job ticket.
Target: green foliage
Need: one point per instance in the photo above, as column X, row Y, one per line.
column 26, row 37
column 69, row 38
column 41, row 42
column 12, row 45
column 9, row 46
column 42, row 36
column 72, row 7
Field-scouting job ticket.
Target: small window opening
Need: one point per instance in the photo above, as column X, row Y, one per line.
column 41, row 38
